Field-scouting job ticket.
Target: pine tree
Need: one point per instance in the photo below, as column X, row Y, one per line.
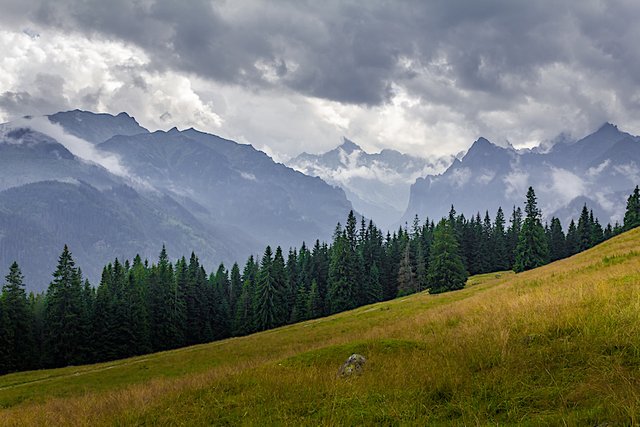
column 532, row 250
column 244, row 316
column 220, row 306
column 632, row 214
column 341, row 293
column 584, row 230
column 319, row 270
column 572, row 246
column 64, row 314
column 499, row 243
column 137, row 294
column 163, row 305
column 446, row 270
column 314, row 307
column 18, row 317
column 279, row 276
column 556, row 241
column 407, row 283
column 235, row 286
column 6, row 342
column 513, row 234
column 266, row 296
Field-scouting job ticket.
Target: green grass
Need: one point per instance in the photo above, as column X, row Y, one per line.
column 556, row 345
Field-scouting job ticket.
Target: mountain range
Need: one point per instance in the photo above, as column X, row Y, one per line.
column 600, row 170
column 376, row 183
column 109, row 188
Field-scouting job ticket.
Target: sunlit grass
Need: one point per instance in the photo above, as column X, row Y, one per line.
column 556, row 345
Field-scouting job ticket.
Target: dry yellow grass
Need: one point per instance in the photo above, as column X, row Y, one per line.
column 557, row 345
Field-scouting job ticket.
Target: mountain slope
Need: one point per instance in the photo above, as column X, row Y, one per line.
column 377, row 184
column 599, row 167
column 136, row 190
column 38, row 219
column 555, row 345
column 238, row 185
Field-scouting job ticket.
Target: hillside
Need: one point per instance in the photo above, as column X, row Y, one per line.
column 559, row 344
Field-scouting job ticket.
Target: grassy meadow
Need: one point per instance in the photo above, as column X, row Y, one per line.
column 552, row 346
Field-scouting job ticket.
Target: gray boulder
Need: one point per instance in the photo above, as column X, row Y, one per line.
column 353, row 365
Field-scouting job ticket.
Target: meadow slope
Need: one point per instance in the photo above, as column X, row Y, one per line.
column 555, row 345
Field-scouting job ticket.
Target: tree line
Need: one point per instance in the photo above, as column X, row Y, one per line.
column 141, row 307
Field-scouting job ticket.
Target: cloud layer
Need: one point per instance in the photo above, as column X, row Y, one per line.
column 423, row 77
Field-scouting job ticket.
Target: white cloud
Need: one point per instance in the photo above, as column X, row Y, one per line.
column 486, row 177
column 630, row 171
column 77, row 146
column 516, row 183
column 460, row 176
column 597, row 170
column 566, row 185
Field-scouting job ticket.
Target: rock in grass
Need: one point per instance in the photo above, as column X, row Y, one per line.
column 353, row 365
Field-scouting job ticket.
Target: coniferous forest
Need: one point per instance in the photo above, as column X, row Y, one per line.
column 140, row 306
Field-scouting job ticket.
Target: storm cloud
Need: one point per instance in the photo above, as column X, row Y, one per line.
column 422, row 77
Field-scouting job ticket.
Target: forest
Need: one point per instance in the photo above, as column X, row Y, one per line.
column 141, row 307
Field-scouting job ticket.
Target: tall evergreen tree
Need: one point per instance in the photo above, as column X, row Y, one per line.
column 407, row 283
column 279, row 275
column 244, row 316
column 499, row 243
column 446, row 270
column 164, row 305
column 342, row 295
column 572, row 241
column 513, row 234
column 266, row 296
column 556, row 241
column 532, row 250
column 19, row 322
column 64, row 314
column 632, row 214
column 584, row 230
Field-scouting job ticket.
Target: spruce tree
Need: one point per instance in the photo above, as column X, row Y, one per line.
column 244, row 318
column 341, row 292
column 557, row 243
column 446, row 271
column 572, row 246
column 221, row 308
column 266, row 295
column 279, row 276
column 584, row 230
column 499, row 243
column 407, row 283
column 632, row 214
column 19, row 322
column 163, row 305
column 532, row 250
column 513, row 234
column 314, row 307
column 6, row 342
column 64, row 315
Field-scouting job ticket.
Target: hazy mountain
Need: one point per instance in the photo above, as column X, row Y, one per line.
column 376, row 183
column 135, row 190
column 235, row 184
column 599, row 169
column 96, row 128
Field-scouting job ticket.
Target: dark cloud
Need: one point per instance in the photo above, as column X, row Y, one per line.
column 497, row 56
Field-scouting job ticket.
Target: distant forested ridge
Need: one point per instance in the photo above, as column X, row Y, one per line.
column 141, row 307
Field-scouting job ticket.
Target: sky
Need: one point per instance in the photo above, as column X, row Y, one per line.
column 423, row 77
